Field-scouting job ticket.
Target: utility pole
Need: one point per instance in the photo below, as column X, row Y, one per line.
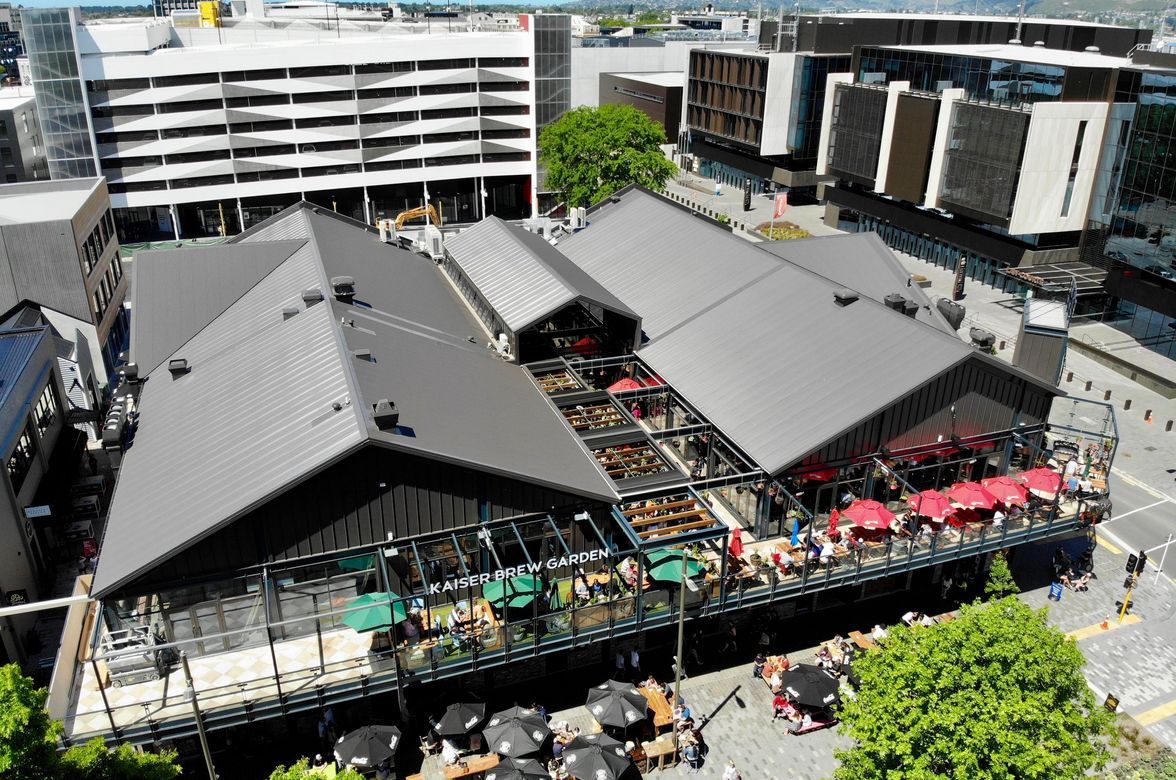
column 1135, row 566
column 681, row 639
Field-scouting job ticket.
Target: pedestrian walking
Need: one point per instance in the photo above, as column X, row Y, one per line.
column 731, row 773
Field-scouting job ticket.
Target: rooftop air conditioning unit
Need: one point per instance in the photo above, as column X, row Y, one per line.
column 434, row 243
column 387, row 230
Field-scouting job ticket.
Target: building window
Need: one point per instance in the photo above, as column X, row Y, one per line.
column 3, row 127
column 116, row 264
column 24, row 121
column 1074, row 168
column 46, row 412
column 6, row 155
column 10, row 178
column 21, row 460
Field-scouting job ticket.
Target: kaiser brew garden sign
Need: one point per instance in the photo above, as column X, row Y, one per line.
column 551, row 564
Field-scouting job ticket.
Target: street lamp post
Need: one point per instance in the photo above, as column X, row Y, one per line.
column 681, row 639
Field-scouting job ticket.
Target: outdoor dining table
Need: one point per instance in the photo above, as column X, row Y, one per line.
column 472, row 766
column 663, row 714
column 661, row 750
column 861, row 640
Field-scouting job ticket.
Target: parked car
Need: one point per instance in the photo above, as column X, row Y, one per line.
column 1160, row 270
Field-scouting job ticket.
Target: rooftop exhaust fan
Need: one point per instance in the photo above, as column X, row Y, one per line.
column 343, row 288
column 385, row 414
column 312, row 296
column 844, row 297
column 178, row 367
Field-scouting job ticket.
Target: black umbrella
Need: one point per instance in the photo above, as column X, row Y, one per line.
column 515, row 736
column 460, row 719
column 587, row 740
column 810, row 686
column 368, row 746
column 628, row 690
column 518, row 769
column 614, row 709
column 600, row 759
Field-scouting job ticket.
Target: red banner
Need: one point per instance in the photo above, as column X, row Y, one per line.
column 781, row 205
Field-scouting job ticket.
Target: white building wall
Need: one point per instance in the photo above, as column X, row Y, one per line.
column 779, row 104
column 893, row 90
column 947, row 100
column 831, row 83
column 1039, row 205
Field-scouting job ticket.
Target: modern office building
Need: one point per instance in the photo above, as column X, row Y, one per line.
column 59, row 251
column 11, row 42
column 657, row 95
column 22, row 150
column 391, row 443
column 205, row 132
column 758, row 114
column 36, row 448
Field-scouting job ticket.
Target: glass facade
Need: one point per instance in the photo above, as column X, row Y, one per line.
column 998, row 81
column 983, row 161
column 810, row 104
column 553, row 67
column 61, row 97
column 855, row 134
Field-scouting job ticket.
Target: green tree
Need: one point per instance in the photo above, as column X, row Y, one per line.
column 94, row 761
column 302, row 769
column 996, row 693
column 1000, row 579
column 28, row 743
column 28, row 736
column 590, row 153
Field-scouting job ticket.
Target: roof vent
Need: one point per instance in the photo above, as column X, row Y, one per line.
column 363, row 354
column 981, row 338
column 910, row 308
column 1040, row 44
column 845, row 296
column 1014, row 42
column 130, row 373
column 385, row 414
column 178, row 367
column 288, row 312
column 1092, row 49
column 312, row 296
column 894, row 301
column 343, row 288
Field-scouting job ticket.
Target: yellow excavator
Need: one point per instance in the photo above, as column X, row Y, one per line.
column 421, row 211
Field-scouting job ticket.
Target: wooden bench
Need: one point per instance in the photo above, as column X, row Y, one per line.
column 640, row 510
column 675, row 529
column 861, row 640
column 666, row 518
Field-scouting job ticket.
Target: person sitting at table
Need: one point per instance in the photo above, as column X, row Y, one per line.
column 693, row 756
column 828, row 553
column 879, row 633
column 825, row 658
column 898, row 528
column 582, row 592
column 780, row 707
column 998, row 518
column 793, row 723
column 851, row 540
column 449, row 752
column 757, row 665
column 927, row 620
column 319, row 760
column 651, row 682
column 910, row 618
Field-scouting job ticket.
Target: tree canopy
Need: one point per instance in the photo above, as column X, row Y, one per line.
column 996, row 694
column 28, row 743
column 590, row 153
column 302, row 769
column 1000, row 582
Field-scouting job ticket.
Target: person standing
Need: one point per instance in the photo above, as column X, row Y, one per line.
column 731, row 773
column 635, row 663
column 619, row 674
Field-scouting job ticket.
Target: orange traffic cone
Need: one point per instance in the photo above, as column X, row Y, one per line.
column 1106, row 623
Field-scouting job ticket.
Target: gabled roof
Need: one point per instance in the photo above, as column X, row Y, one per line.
column 256, row 413
column 212, row 278
column 521, row 276
column 862, row 262
column 17, row 348
column 759, row 346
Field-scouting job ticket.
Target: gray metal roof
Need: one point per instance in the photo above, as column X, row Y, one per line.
column 211, row 278
column 663, row 263
column 254, row 415
column 17, row 348
column 863, row 263
column 521, row 275
column 759, row 346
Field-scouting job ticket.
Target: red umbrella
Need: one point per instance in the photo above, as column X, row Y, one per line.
column 586, row 346
column 1007, row 489
column 834, row 519
column 624, row 384
column 963, row 516
column 654, row 381
column 931, row 504
column 971, row 495
column 1042, row 481
column 736, row 547
column 869, row 514
column 820, row 475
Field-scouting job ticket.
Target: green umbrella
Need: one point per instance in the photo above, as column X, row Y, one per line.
column 667, row 565
column 515, row 591
column 361, row 563
column 377, row 614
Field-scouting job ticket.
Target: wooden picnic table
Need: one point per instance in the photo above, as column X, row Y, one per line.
column 661, row 750
column 861, row 640
column 473, row 765
column 663, row 714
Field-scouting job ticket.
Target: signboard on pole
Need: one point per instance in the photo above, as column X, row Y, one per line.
column 747, row 194
column 957, row 289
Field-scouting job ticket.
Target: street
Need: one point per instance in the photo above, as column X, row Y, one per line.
column 1142, row 519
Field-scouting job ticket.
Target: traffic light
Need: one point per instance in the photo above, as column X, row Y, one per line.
column 1142, row 563
column 1132, row 562
column 1129, row 583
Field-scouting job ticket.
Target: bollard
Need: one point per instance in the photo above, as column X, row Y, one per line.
column 1002, row 344
column 1089, row 384
column 1147, row 416
column 1127, row 404
column 1070, row 376
column 1107, row 395
column 1168, row 427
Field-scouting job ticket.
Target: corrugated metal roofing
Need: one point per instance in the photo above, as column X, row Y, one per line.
column 17, row 348
column 164, row 321
column 663, row 263
column 521, row 276
column 254, row 415
column 759, row 346
column 862, row 262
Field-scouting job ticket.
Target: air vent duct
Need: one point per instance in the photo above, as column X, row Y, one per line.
column 178, row 367
column 343, row 287
column 894, row 301
column 312, row 296
column 385, row 414
column 288, row 312
column 845, row 297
